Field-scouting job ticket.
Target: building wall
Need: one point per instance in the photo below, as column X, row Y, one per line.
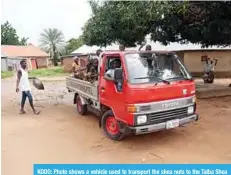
column 4, row 66
column 42, row 62
column 13, row 64
column 68, row 61
column 67, row 64
column 180, row 54
column 192, row 60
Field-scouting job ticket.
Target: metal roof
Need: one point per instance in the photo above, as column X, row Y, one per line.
column 3, row 56
column 23, row 51
column 155, row 46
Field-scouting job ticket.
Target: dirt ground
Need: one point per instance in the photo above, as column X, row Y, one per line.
column 60, row 135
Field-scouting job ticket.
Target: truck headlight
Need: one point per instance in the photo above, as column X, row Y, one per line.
column 141, row 119
column 190, row 109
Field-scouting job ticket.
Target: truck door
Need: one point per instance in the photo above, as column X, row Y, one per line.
column 108, row 93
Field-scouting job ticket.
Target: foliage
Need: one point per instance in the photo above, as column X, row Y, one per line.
column 9, row 35
column 128, row 22
column 6, row 74
column 44, row 72
column 207, row 23
column 54, row 71
column 73, row 44
column 52, row 41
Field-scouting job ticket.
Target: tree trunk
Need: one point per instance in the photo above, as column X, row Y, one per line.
column 55, row 57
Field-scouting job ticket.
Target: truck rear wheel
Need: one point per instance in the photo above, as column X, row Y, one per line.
column 81, row 108
column 111, row 126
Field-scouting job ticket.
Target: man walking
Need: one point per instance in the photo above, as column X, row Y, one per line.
column 23, row 85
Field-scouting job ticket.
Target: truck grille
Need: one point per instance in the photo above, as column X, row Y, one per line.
column 164, row 116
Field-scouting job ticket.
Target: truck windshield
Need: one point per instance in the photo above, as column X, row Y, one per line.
column 150, row 67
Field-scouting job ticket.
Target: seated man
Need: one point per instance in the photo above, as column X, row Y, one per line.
column 92, row 70
column 114, row 64
column 76, row 70
column 111, row 73
column 89, row 65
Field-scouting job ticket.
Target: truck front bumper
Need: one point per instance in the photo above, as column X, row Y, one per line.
column 161, row 126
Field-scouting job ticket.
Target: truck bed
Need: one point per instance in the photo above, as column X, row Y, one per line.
column 84, row 88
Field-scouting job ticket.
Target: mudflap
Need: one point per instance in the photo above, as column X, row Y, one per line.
column 82, row 99
column 75, row 97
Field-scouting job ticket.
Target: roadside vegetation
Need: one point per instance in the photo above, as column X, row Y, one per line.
column 48, row 72
column 6, row 74
column 45, row 72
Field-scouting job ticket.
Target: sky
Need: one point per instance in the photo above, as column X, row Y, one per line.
column 31, row 17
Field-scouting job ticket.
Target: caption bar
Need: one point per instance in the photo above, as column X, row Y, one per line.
column 132, row 169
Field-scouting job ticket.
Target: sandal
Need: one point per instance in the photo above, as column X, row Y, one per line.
column 36, row 112
column 22, row 112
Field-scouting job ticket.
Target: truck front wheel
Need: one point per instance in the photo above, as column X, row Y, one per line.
column 81, row 108
column 111, row 126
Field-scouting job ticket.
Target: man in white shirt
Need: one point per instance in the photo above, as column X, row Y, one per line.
column 115, row 64
column 23, row 85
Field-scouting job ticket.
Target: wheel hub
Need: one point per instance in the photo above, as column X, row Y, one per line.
column 112, row 125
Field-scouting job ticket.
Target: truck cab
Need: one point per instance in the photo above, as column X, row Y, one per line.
column 138, row 93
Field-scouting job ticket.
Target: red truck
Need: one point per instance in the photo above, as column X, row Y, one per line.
column 137, row 92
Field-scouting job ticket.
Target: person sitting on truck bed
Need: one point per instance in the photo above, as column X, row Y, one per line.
column 92, row 70
column 89, row 65
column 115, row 64
column 76, row 70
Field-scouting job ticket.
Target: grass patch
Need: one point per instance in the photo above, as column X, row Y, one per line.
column 6, row 74
column 48, row 72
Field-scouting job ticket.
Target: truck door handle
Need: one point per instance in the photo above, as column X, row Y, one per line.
column 102, row 88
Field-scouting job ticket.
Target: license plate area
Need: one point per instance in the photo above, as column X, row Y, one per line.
column 172, row 124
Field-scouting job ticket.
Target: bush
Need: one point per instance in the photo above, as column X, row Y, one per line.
column 53, row 71
column 6, row 74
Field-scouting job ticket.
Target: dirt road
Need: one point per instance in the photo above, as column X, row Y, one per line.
column 60, row 135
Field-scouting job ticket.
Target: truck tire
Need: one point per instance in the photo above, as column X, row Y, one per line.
column 110, row 126
column 82, row 109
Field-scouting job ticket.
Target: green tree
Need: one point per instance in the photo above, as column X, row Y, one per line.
column 9, row 35
column 205, row 23
column 73, row 44
column 52, row 41
column 128, row 22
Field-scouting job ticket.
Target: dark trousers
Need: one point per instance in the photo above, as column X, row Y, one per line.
column 26, row 94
